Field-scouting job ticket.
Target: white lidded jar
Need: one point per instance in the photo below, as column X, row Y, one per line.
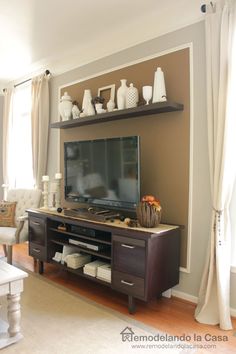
column 121, row 94
column 159, row 88
column 65, row 107
column 131, row 99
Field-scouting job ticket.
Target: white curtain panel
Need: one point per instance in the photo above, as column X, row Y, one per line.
column 7, row 113
column 214, row 296
column 40, row 126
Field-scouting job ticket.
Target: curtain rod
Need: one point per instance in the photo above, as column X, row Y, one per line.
column 47, row 72
column 203, row 7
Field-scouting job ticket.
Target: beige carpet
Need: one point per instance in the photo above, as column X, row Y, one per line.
column 58, row 321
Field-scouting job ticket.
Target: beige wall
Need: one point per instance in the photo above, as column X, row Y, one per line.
column 200, row 191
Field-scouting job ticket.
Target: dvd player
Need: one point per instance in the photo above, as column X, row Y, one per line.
column 90, row 246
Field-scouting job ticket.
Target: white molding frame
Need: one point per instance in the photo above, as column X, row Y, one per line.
column 188, row 45
column 191, row 142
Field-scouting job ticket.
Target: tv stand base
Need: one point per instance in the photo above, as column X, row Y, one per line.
column 143, row 262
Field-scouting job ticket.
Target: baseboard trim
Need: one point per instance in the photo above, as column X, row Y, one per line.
column 233, row 312
column 184, row 296
column 194, row 299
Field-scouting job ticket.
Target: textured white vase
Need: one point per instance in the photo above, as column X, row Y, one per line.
column 131, row 99
column 75, row 111
column 65, row 106
column 159, row 88
column 87, row 104
column 121, row 94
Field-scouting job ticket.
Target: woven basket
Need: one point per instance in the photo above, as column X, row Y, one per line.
column 147, row 215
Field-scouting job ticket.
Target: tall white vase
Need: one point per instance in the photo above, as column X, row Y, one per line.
column 87, row 106
column 121, row 94
column 159, row 88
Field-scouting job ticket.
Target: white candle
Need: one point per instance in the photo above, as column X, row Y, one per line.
column 45, row 178
column 58, row 176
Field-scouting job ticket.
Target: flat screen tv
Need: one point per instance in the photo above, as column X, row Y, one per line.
column 103, row 172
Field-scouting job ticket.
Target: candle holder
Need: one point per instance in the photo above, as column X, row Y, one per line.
column 45, row 193
column 58, row 177
column 52, row 198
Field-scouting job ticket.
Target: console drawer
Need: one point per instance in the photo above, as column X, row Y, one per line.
column 37, row 231
column 37, row 251
column 128, row 284
column 129, row 255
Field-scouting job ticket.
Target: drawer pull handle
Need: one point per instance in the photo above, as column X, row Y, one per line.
column 127, row 246
column 36, row 250
column 127, row 283
column 35, row 223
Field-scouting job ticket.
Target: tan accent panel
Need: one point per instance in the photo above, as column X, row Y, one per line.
column 164, row 138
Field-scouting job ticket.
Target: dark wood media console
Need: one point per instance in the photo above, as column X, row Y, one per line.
column 144, row 262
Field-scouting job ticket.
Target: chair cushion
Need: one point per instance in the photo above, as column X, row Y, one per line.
column 7, row 214
column 7, row 235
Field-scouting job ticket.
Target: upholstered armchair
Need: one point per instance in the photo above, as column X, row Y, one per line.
column 18, row 231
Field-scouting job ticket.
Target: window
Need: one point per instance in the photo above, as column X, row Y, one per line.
column 20, row 152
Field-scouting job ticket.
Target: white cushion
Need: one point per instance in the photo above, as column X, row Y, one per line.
column 26, row 199
column 7, row 235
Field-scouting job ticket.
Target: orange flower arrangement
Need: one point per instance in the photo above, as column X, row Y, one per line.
column 149, row 211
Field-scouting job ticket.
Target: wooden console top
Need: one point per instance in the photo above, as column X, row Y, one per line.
column 161, row 228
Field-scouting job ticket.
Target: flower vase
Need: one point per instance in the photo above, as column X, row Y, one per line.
column 121, row 94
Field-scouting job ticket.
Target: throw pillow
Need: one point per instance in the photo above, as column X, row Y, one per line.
column 7, row 214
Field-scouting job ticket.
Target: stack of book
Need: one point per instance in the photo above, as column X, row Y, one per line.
column 104, row 272
column 77, row 260
column 91, row 268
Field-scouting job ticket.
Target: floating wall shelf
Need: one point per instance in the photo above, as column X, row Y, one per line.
column 146, row 110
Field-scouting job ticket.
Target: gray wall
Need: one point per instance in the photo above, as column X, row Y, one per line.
column 201, row 203
column 1, row 119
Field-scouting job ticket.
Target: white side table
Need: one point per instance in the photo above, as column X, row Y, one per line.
column 11, row 285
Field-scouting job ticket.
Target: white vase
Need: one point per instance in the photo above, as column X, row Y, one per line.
column 86, row 104
column 131, row 99
column 75, row 111
column 159, row 88
column 110, row 105
column 65, row 107
column 121, row 94
column 90, row 111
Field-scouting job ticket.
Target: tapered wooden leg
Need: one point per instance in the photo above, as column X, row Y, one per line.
column 9, row 254
column 14, row 314
column 41, row 267
column 5, row 250
column 132, row 307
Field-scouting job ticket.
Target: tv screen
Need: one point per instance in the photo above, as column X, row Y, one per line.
column 103, row 172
